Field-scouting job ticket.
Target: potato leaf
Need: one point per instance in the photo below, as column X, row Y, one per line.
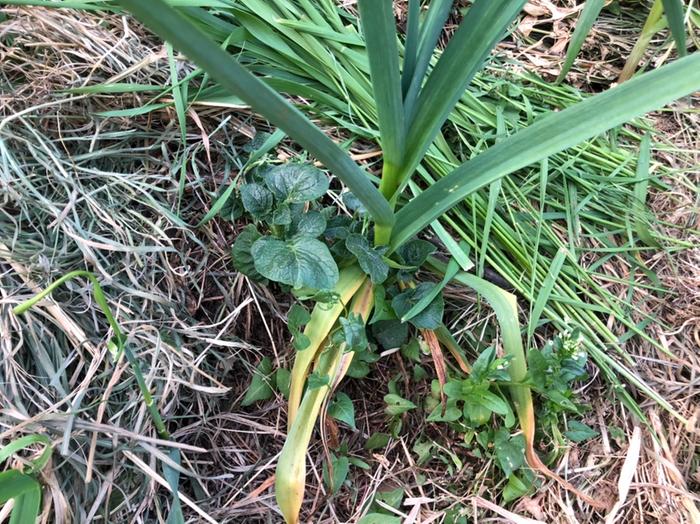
column 296, row 183
column 430, row 317
column 369, row 258
column 311, row 224
column 390, row 333
column 300, row 262
column 242, row 258
column 256, row 200
column 415, row 252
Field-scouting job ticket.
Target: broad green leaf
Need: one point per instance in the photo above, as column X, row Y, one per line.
column 510, row 451
column 298, row 262
column 411, row 351
column 14, row 483
column 415, row 252
column 377, row 441
column 392, row 498
column 282, row 215
column 673, row 9
column 185, row 36
column 311, row 224
column 390, row 333
column 282, row 380
column 25, row 491
column 452, row 413
column 379, row 27
column 296, row 183
column 317, row 381
column 260, row 387
column 418, row 307
column 580, row 432
column 296, row 319
column 352, row 203
column 341, row 468
column 256, row 200
column 241, row 252
column 590, row 12
column 515, row 488
column 354, row 333
column 341, row 409
column 430, row 317
column 548, row 135
column 397, row 405
column 482, row 27
column 369, row 258
column 491, row 402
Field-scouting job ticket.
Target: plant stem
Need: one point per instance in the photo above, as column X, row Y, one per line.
column 653, row 24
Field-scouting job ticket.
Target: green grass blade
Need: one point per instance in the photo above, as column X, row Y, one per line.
column 26, row 509
column 379, row 27
column 178, row 96
column 590, row 12
column 170, row 25
column 14, row 483
column 640, row 194
column 410, row 53
column 21, row 443
column 550, row 134
column 451, row 270
column 117, row 87
column 481, row 29
column 546, row 291
column 673, row 9
column 654, row 23
column 430, row 32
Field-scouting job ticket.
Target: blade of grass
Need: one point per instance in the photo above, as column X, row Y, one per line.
column 673, row 9
column 640, row 194
column 548, row 135
column 494, row 192
column 430, row 32
column 25, row 491
column 584, row 24
column 170, row 25
column 545, row 292
column 478, row 33
column 21, row 443
column 653, row 24
column 379, row 28
column 410, row 54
